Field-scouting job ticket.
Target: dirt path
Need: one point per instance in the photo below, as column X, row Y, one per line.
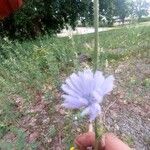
column 129, row 116
column 87, row 30
column 80, row 31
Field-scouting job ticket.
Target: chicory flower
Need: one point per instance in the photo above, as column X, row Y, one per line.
column 85, row 90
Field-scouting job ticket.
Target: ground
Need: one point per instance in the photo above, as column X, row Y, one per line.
column 87, row 30
column 129, row 114
column 42, row 123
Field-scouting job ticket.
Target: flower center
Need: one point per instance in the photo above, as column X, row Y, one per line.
column 90, row 98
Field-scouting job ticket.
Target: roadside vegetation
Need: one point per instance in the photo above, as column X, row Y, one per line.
column 32, row 71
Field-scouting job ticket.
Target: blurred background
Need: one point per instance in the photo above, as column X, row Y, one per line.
column 38, row 17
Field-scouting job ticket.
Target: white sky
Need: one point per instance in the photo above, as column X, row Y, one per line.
column 146, row 0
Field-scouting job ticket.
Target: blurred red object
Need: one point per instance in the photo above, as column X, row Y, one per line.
column 7, row 7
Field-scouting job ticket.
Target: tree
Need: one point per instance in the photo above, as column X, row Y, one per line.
column 41, row 16
column 140, row 8
column 107, row 9
column 86, row 14
column 123, row 9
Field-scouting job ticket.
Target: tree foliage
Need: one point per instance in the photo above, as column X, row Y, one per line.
column 140, row 8
column 87, row 15
column 107, row 9
column 40, row 16
column 123, row 9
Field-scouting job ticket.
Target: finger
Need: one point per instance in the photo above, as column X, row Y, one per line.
column 85, row 140
column 111, row 142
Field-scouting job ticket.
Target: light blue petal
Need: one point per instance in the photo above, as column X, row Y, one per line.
column 89, row 73
column 92, row 111
column 80, row 100
column 87, row 81
column 70, row 106
column 95, row 110
column 73, row 103
column 76, row 81
column 98, row 79
column 69, row 83
column 85, row 111
column 107, row 85
column 82, row 81
column 97, row 97
column 68, row 91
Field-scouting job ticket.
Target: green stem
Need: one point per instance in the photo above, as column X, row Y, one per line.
column 96, row 125
column 96, row 25
column 96, row 56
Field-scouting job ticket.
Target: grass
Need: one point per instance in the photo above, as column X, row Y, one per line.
column 31, row 68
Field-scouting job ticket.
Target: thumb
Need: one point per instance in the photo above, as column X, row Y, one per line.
column 111, row 142
column 85, row 140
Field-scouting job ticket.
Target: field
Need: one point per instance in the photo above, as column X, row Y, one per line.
column 31, row 73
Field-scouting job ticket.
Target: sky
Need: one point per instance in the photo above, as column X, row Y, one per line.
column 146, row 0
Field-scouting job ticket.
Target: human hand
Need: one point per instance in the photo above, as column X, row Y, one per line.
column 108, row 142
